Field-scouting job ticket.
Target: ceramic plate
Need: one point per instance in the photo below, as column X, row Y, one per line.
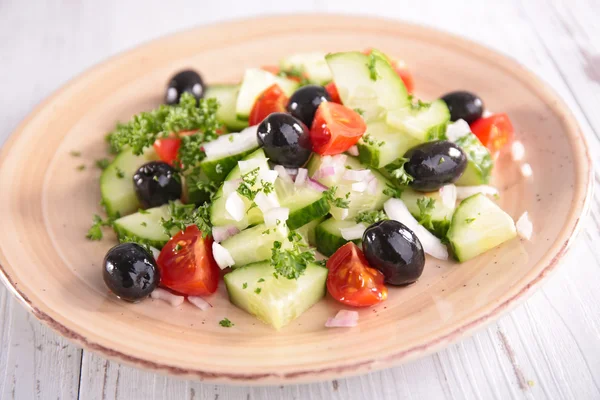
column 46, row 205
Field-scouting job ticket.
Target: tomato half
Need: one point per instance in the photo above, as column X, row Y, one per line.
column 335, row 129
column 187, row 265
column 273, row 99
column 167, row 148
column 333, row 92
column 494, row 132
column 352, row 281
column 402, row 71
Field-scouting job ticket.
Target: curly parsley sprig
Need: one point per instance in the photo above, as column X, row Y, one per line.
column 184, row 215
column 370, row 217
column 290, row 261
column 338, row 202
column 398, row 173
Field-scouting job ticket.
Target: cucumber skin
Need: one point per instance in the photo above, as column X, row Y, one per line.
column 209, row 167
column 303, row 216
column 327, row 243
column 124, row 236
column 226, row 95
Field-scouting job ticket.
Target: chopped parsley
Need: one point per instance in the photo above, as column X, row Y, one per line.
column 260, row 280
column 80, row 167
column 292, row 260
column 295, row 73
column 368, row 139
column 95, row 231
column 257, row 290
column 469, row 220
column 102, row 163
column 372, row 65
column 426, row 206
column 338, row 202
column 143, row 223
column 248, row 181
column 231, row 138
column 226, row 323
column 120, row 173
column 393, row 191
column 75, row 153
column 370, row 217
column 397, row 172
column 142, row 211
column 359, row 111
column 245, row 285
column 184, row 215
column 196, row 182
column 441, row 160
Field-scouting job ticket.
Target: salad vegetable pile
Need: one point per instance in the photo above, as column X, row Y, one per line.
column 321, row 175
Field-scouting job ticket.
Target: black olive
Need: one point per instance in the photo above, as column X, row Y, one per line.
column 185, row 81
column 395, row 250
column 464, row 105
column 434, row 164
column 156, row 183
column 304, row 102
column 130, row 271
column 285, row 140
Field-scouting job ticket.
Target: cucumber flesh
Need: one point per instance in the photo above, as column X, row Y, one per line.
column 255, row 82
column 328, row 237
column 479, row 162
column 305, row 204
column 312, row 64
column 382, row 145
column 227, row 96
column 253, row 244
column 308, row 231
column 369, row 83
column 441, row 214
column 477, row 226
column 116, row 182
column 279, row 300
column 145, row 227
column 423, row 123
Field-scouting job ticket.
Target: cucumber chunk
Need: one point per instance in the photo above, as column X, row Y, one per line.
column 382, row 144
column 424, row 123
column 479, row 162
column 328, row 237
column 255, row 82
column 145, row 227
column 305, row 204
column 441, row 213
column 227, row 96
column 308, row 231
column 477, row 226
column 312, row 64
column 253, row 244
column 116, row 182
column 275, row 301
column 369, row 83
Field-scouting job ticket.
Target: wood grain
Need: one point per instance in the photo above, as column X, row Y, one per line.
column 554, row 336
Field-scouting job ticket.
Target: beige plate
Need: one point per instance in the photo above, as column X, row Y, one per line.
column 46, row 207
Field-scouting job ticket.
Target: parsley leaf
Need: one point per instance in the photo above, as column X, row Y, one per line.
column 102, row 163
column 359, row 111
column 292, row 260
column 426, row 206
column 368, row 139
column 369, row 217
column 226, row 323
column 120, row 173
column 296, row 73
column 393, row 191
column 469, row 220
column 245, row 285
column 338, row 202
column 75, row 153
column 142, row 211
column 184, row 215
column 95, row 231
column 397, row 172
column 371, row 64
column 257, row 290
column 80, row 167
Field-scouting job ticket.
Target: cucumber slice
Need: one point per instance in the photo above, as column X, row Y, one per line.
column 369, row 83
column 312, row 64
column 236, row 145
column 227, row 96
column 479, row 225
column 116, row 182
column 328, row 237
column 145, row 227
column 479, row 164
column 219, row 215
column 308, row 231
column 382, row 145
column 191, row 189
column 253, row 244
column 279, row 300
column 305, row 204
column 255, row 82
column 424, row 123
column 441, row 213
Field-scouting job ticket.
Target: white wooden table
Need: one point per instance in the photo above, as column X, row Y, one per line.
column 547, row 348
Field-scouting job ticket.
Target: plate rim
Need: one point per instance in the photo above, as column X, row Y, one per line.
column 582, row 201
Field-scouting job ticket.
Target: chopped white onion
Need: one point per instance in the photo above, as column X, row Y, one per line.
column 283, row 174
column 316, row 185
column 267, row 175
column 235, row 207
column 165, row 295
column 517, row 150
column 249, row 165
column 372, row 186
column 359, row 175
column 396, row 210
column 199, row 302
column 457, row 129
column 324, row 171
column 462, row 192
column 292, row 171
column 220, row 233
column 301, row 177
column 343, row 319
column 155, row 252
column 265, row 202
column 353, row 232
column 524, row 226
column 448, row 195
column 231, row 186
column 274, row 215
column 232, row 143
column 353, row 151
column 222, row 256
column 526, row 170
column 360, row 186
column 343, row 214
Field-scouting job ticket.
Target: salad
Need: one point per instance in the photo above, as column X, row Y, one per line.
column 322, row 176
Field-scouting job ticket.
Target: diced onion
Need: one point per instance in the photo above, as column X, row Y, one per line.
column 292, row 171
column 353, row 151
column 220, row 233
column 360, row 186
column 235, row 207
column 249, row 165
column 457, row 129
column 524, row 226
column 462, row 192
column 265, row 202
column 222, row 256
column 343, row 319
column 526, row 170
column 283, row 174
column 230, row 144
column 231, row 186
column 343, row 213
column 325, row 171
column 372, row 186
column 267, row 175
column 517, row 150
column 448, row 195
column 396, row 210
column 199, row 302
column 360, row 175
column 274, row 215
column 353, row 232
column 165, row 295
column 316, row 185
column 301, row 177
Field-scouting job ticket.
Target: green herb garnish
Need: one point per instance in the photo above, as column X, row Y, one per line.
column 245, row 285
column 143, row 223
column 184, row 215
column 393, row 191
column 257, row 290
column 292, row 260
column 95, row 231
column 371, row 64
column 75, row 153
column 226, row 323
column 120, row 173
column 80, row 167
column 426, row 206
column 397, row 172
column 260, row 280
column 142, row 211
column 102, row 163
column 469, row 220
column 359, row 111
column 338, row 202
column 368, row 139
column 370, row 217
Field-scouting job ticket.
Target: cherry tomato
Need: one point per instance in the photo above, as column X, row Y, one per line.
column 352, row 281
column 494, row 132
column 333, row 92
column 187, row 265
column 402, row 71
column 271, row 100
column 167, row 148
column 335, row 129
